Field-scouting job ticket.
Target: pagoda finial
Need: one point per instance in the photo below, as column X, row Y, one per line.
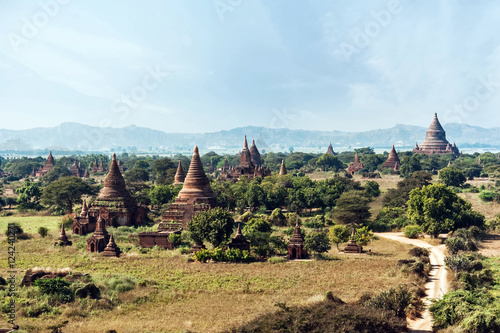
column 238, row 231
column 195, row 151
column 114, row 157
column 245, row 144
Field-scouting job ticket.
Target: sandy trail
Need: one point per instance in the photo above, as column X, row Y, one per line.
column 437, row 283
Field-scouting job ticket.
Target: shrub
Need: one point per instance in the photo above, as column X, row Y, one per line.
column 316, row 222
column 120, row 284
column 419, row 252
column 67, row 220
column 488, row 195
column 394, row 300
column 412, row 231
column 217, row 254
column 276, row 260
column 175, row 239
column 57, row 286
column 14, row 227
column 43, row 231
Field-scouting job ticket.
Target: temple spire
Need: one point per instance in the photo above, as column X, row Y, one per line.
column 283, row 168
column 180, row 176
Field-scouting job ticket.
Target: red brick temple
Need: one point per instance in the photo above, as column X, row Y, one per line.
column 435, row 141
column 49, row 164
column 195, row 197
column 114, row 205
column 355, row 166
column 392, row 161
column 330, row 151
column 250, row 165
column 283, row 168
column 295, row 246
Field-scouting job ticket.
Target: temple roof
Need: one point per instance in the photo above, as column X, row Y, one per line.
column 283, row 168
column 114, row 186
column 356, row 159
column 245, row 155
column 255, row 154
column 180, row 175
column 297, row 235
column 50, row 158
column 196, row 183
column 330, row 150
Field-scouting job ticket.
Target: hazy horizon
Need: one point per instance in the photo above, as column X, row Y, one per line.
column 184, row 67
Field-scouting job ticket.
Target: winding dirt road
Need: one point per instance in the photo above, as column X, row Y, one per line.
column 437, row 283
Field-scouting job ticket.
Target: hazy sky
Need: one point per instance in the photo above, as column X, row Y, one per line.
column 209, row 65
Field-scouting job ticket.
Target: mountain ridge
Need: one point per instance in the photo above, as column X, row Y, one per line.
column 72, row 135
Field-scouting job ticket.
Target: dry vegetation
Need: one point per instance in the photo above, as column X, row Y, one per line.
column 177, row 295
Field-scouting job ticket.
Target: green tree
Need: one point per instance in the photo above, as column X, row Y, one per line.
column 372, row 188
column 55, row 173
column 409, row 165
column 136, row 175
column 317, row 242
column 9, row 201
column 329, row 162
column 363, row 236
column 214, row 226
column 29, row 196
column 164, row 171
column 438, row 210
column 339, row 234
column 371, row 162
column 352, row 208
column 65, row 192
column 160, row 194
column 452, row 176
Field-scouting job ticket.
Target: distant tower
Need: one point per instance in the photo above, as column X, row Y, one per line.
column 283, row 168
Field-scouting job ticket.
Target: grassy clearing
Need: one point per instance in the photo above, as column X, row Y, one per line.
column 177, row 295
column 488, row 209
column 30, row 224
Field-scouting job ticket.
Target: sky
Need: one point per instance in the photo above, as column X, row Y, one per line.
column 205, row 66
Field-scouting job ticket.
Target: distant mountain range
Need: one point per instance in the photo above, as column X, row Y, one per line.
column 78, row 137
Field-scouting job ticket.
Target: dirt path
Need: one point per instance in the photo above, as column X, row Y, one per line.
column 437, row 284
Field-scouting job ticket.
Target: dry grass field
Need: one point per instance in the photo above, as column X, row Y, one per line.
column 176, row 295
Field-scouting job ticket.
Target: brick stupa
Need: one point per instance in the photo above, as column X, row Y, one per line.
column 250, row 165
column 392, row 161
column 111, row 250
column 180, row 176
column 296, row 249
column 49, row 164
column 239, row 241
column 283, row 168
column 196, row 195
column 114, row 205
column 355, row 166
column 435, row 141
column 99, row 239
column 330, row 151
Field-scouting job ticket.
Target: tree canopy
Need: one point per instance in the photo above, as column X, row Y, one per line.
column 439, row 210
column 65, row 192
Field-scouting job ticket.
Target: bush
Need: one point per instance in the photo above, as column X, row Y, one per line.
column 276, row 260
column 329, row 315
column 217, row 254
column 393, row 300
column 413, row 231
column 14, row 227
column 57, row 286
column 488, row 196
column 120, row 284
column 42, row 231
column 316, row 222
column 67, row 220
column 419, row 252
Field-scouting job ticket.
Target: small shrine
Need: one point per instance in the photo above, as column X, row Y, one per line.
column 99, row 239
column 111, row 250
column 295, row 246
column 239, row 241
column 392, row 161
column 355, row 166
column 63, row 239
